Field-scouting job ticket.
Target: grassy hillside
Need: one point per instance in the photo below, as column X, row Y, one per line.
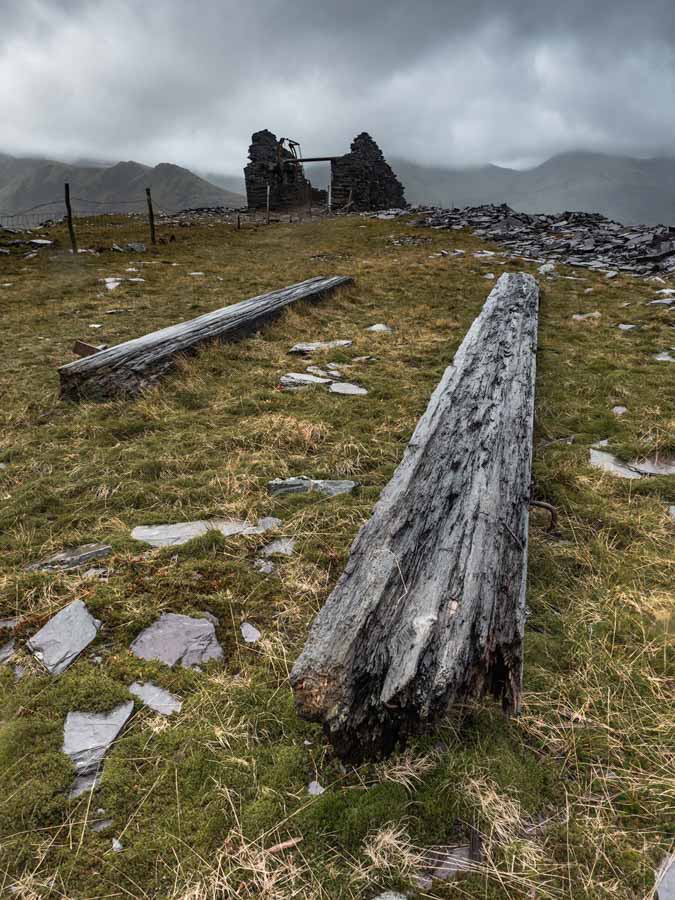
column 24, row 183
column 573, row 799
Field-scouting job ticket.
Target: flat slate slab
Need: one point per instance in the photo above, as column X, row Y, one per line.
column 380, row 328
column 6, row 652
column 249, row 633
column 157, row 698
column 637, row 468
column 294, row 381
column 665, row 879
column 72, row 558
column 87, row 736
column 347, row 389
column 315, row 346
column 64, row 637
column 280, row 547
column 175, row 638
column 301, row 484
column 182, row 532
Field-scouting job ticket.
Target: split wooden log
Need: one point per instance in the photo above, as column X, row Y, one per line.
column 130, row 367
column 430, row 609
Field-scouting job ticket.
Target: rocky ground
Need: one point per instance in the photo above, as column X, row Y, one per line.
column 161, row 559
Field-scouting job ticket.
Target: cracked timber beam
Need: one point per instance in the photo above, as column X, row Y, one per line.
column 128, row 368
column 430, row 609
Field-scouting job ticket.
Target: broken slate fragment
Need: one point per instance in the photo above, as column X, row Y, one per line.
column 662, row 301
column 156, row 698
column 665, row 879
column 347, row 389
column 117, row 846
column 264, row 566
column 88, row 736
column 176, row 638
column 182, row 532
column 380, row 328
column 579, row 317
column 451, row 862
column 280, row 547
column 64, row 637
column 294, row 381
column 73, row 558
column 315, row 370
column 619, row 410
column 391, row 895
column 249, row 633
column 315, row 789
column 6, row 652
column 664, row 356
column 303, row 485
column 314, row 346
column 637, row 468
column 625, row 327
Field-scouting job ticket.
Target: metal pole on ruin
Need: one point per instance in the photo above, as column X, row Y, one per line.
column 268, row 204
column 330, row 192
column 69, row 216
column 151, row 216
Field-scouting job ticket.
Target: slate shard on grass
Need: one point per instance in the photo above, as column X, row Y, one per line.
column 664, row 356
column 72, row 558
column 295, row 381
column 637, row 468
column 249, row 633
column 391, row 895
column 315, row 789
column 264, row 566
column 182, row 532
column 380, row 328
column 347, row 389
column 87, row 738
column 6, row 651
column 64, row 637
column 83, row 784
column 619, row 410
column 665, row 879
column 280, row 547
column 157, row 698
column 301, row 484
column 176, row 638
column 316, row 346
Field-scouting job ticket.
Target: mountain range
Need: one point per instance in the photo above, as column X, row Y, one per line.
column 628, row 190
column 26, row 183
column 622, row 188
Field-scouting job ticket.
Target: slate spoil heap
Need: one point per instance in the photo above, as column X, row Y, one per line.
column 365, row 178
column 572, row 238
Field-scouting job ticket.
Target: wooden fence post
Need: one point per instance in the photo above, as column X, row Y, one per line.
column 238, row 222
column 69, row 215
column 268, row 203
column 151, row 216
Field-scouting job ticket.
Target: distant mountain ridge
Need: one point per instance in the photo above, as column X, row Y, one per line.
column 633, row 191
column 26, row 183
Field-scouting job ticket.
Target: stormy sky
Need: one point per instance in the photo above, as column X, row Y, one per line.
column 443, row 82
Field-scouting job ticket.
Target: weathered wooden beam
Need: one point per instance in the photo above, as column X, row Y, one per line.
column 124, row 370
column 430, row 608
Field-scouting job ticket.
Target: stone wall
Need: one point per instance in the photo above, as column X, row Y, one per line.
column 362, row 178
column 367, row 177
column 269, row 163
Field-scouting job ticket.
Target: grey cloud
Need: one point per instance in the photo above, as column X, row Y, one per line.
column 434, row 81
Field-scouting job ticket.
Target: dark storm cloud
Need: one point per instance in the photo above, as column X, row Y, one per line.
column 435, row 81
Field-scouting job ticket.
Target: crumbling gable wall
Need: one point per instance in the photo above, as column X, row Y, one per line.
column 268, row 164
column 366, row 177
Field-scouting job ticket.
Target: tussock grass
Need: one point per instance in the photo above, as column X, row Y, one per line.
column 573, row 799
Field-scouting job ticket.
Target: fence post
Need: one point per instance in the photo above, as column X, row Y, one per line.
column 238, row 222
column 330, row 192
column 309, row 201
column 151, row 216
column 69, row 214
column 268, row 203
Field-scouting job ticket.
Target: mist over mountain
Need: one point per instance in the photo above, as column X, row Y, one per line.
column 26, row 183
column 628, row 190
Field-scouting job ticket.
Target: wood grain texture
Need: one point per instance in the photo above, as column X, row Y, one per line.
column 430, row 608
column 128, row 368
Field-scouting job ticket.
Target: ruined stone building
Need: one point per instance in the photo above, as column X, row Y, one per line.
column 360, row 180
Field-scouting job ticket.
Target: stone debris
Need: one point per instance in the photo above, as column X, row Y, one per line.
column 87, row 738
column 625, row 327
column 619, row 410
column 264, row 566
column 176, row 638
column 100, row 825
column 391, row 895
column 380, row 328
column 547, row 269
column 72, row 558
column 671, row 512
column 64, row 637
column 156, row 698
column 579, row 317
column 280, row 547
column 294, row 381
column 7, row 651
column 249, row 633
column 662, row 301
column 112, row 284
column 315, row 789
column 669, row 292
column 664, row 356
column 302, row 485
column 117, row 846
column 316, row 346
column 350, row 390
column 450, row 862
column 182, row 532
column 665, row 879
column 639, row 468
column 315, row 370
column 570, row 238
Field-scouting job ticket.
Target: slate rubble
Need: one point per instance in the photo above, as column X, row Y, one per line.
column 571, row 238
